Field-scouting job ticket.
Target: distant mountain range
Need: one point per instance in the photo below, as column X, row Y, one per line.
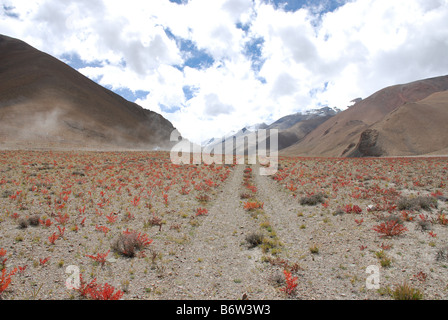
column 291, row 128
column 288, row 121
column 401, row 120
column 45, row 103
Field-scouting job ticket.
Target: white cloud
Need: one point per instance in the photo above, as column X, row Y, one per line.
column 385, row 42
column 214, row 107
column 307, row 58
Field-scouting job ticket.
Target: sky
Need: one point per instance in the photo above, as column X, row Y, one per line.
column 213, row 66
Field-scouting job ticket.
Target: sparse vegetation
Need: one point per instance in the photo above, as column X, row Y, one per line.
column 390, row 228
column 128, row 242
column 314, row 249
column 23, row 223
column 406, row 292
column 417, row 203
column 312, row 199
column 254, row 239
column 316, row 212
column 442, row 254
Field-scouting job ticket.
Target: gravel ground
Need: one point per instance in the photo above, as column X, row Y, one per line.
column 209, row 256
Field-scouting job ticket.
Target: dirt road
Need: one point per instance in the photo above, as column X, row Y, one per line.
column 218, row 263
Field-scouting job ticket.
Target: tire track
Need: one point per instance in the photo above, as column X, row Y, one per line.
column 217, row 263
column 328, row 274
column 282, row 211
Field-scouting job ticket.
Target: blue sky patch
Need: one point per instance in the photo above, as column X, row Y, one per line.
column 193, row 57
column 313, row 92
column 253, row 50
column 288, row 5
column 294, row 5
column 189, row 92
column 75, row 61
column 129, row 94
column 244, row 27
column 9, row 12
column 196, row 58
column 168, row 109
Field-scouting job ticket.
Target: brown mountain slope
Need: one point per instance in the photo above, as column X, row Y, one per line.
column 340, row 135
column 415, row 128
column 46, row 103
column 298, row 131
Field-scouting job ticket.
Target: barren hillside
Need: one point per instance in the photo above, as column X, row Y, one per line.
column 341, row 134
column 415, row 128
column 46, row 103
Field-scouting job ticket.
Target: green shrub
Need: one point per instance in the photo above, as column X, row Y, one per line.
column 417, row 203
column 312, row 200
column 406, row 292
column 254, row 239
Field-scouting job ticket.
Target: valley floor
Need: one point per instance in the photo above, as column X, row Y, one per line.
column 314, row 230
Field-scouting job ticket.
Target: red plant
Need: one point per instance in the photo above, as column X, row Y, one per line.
column 60, row 206
column 62, row 219
column 421, row 276
column 22, row 269
column 135, row 201
column 406, row 216
column 62, row 231
column 46, row 223
column 436, row 194
column 203, row 198
column 106, row 292
column 100, row 257
column 44, row 261
column 352, row 209
column 129, row 215
column 184, row 190
column 2, row 254
column 201, row 211
column 390, row 228
column 5, row 279
column 291, row 187
column 253, row 205
column 291, row 283
column 101, row 204
column 102, row 229
column 252, row 188
column 112, row 217
column 85, row 288
column 53, row 238
column 359, row 222
column 143, row 240
column 441, row 218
